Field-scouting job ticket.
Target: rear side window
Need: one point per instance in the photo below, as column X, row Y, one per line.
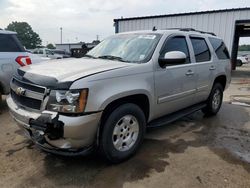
column 10, row 43
column 219, row 48
column 177, row 43
column 201, row 50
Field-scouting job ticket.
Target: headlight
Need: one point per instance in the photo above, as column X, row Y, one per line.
column 72, row 101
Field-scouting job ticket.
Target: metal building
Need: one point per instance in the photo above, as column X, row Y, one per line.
column 229, row 24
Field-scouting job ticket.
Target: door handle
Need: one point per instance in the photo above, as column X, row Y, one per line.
column 189, row 73
column 212, row 68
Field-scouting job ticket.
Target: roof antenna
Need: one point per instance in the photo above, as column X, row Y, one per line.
column 154, row 29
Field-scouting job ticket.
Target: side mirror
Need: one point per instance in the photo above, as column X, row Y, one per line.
column 172, row 58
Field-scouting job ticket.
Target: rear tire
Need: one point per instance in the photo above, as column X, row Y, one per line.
column 214, row 100
column 123, row 132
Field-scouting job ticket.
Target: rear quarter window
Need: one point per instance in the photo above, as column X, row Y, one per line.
column 10, row 43
column 219, row 48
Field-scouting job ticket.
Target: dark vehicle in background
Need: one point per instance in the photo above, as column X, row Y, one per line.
column 63, row 53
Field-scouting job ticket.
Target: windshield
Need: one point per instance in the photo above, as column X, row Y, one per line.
column 126, row 47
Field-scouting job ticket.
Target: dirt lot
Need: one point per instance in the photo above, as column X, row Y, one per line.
column 192, row 152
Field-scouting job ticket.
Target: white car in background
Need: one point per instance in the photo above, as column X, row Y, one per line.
column 45, row 52
column 12, row 56
column 242, row 60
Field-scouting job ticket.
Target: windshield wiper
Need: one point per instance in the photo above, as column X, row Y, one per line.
column 111, row 57
column 90, row 56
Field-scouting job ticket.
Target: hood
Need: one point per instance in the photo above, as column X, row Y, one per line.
column 71, row 69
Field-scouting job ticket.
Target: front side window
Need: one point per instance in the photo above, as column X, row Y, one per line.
column 201, row 50
column 177, row 43
column 219, row 48
column 137, row 48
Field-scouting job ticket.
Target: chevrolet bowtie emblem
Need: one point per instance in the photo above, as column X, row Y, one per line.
column 20, row 91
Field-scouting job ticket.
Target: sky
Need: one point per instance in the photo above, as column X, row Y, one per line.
column 83, row 20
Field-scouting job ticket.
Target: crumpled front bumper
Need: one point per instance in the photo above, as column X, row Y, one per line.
column 57, row 133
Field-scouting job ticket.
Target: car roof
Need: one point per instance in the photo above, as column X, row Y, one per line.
column 7, row 32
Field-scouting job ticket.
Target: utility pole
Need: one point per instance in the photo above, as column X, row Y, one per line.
column 61, row 34
column 97, row 37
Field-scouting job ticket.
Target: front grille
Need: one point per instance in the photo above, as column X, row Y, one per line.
column 31, row 96
column 28, row 86
column 25, row 101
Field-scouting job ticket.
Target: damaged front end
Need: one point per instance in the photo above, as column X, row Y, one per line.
column 47, row 132
column 55, row 133
column 53, row 128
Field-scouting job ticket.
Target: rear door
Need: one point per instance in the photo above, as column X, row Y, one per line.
column 205, row 67
column 175, row 84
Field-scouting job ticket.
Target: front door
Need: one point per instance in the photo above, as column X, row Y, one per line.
column 174, row 84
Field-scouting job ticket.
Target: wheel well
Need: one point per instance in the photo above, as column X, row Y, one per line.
column 139, row 99
column 222, row 80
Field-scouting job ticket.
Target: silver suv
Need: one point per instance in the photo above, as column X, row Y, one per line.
column 129, row 82
column 12, row 56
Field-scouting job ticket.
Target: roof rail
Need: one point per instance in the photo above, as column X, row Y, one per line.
column 192, row 29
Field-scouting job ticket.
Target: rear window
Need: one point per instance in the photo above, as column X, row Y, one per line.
column 201, row 50
column 10, row 43
column 219, row 48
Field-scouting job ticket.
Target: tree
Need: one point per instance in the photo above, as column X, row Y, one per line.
column 244, row 47
column 25, row 33
column 50, row 46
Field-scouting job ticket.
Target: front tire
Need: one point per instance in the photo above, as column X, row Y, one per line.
column 214, row 100
column 123, row 132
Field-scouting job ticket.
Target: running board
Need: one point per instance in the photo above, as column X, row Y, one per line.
column 175, row 116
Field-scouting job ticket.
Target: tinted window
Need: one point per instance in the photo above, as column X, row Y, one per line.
column 9, row 43
column 201, row 50
column 219, row 48
column 176, row 44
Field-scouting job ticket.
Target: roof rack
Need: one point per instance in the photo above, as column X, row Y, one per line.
column 192, row 29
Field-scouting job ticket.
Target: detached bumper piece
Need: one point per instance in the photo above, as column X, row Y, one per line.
column 52, row 127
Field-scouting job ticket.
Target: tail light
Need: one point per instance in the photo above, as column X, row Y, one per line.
column 23, row 60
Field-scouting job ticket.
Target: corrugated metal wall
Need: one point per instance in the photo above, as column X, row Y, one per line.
column 221, row 23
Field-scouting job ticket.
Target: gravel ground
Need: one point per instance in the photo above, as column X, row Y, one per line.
column 193, row 152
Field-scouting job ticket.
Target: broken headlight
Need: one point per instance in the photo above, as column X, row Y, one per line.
column 71, row 101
